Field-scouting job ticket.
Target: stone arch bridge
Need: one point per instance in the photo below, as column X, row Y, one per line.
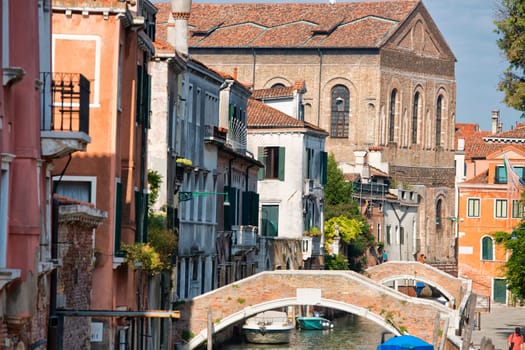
column 341, row 290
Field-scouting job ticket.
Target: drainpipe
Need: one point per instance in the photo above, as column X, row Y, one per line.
column 254, row 64
column 319, row 88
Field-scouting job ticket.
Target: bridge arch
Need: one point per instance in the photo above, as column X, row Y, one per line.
column 342, row 290
column 453, row 288
column 255, row 309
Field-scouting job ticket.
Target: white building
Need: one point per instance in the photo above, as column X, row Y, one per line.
column 291, row 186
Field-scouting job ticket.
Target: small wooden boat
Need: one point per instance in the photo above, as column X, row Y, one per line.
column 314, row 323
column 269, row 327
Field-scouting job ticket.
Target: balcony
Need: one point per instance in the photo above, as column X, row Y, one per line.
column 244, row 238
column 213, row 133
column 64, row 114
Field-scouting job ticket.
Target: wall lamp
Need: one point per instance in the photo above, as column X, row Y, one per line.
column 186, row 196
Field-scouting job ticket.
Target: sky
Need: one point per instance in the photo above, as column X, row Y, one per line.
column 468, row 28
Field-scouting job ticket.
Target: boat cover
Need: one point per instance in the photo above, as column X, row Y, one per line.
column 405, row 342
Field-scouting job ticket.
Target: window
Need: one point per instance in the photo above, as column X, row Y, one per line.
column 415, row 112
column 500, row 176
column 388, row 231
column 4, row 186
column 500, row 208
column 278, row 86
column 439, row 108
column 5, row 33
column 270, row 220
column 76, row 189
column 273, row 159
column 401, row 235
column 392, row 116
column 487, row 248
column 439, row 213
column 340, row 112
column 473, row 207
column 517, row 209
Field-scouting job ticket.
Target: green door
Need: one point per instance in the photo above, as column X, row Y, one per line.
column 500, row 291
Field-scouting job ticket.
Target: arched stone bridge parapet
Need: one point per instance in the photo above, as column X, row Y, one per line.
column 343, row 290
column 454, row 288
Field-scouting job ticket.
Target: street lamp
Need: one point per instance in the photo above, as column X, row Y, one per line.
column 186, row 196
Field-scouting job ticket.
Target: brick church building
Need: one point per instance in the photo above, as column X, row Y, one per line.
column 379, row 76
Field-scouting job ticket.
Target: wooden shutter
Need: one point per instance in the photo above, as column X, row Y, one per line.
column 118, row 219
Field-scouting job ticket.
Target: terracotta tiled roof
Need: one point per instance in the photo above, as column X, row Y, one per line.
column 377, row 172
column 344, row 24
column 274, row 93
column 481, row 178
column 162, row 47
column 517, row 133
column 352, row 177
column 262, row 116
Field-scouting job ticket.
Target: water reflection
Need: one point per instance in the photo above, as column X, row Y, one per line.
column 350, row 333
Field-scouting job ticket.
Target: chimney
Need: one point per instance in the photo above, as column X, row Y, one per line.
column 180, row 10
column 495, row 121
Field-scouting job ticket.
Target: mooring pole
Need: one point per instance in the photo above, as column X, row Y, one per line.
column 210, row 331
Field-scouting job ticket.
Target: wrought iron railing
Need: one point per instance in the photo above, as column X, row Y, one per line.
column 65, row 102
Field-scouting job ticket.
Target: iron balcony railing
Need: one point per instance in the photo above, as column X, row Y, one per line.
column 65, row 102
column 370, row 189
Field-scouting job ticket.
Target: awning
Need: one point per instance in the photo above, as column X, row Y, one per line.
column 405, row 342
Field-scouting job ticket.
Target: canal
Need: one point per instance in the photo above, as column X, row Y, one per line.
column 350, row 332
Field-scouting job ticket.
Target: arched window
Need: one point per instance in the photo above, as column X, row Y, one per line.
column 487, row 249
column 278, row 86
column 439, row 213
column 415, row 116
column 392, row 116
column 340, row 112
column 439, row 108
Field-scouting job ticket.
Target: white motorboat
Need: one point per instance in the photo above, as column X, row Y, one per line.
column 269, row 327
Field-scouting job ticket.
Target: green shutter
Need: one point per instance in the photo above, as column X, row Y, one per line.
column 146, row 104
column 281, row 163
column 145, row 216
column 138, row 109
column 324, row 165
column 231, row 112
column 250, row 208
column 138, row 217
column 260, row 157
column 254, row 209
column 118, row 218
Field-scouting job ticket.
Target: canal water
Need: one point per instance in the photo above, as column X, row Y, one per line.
column 350, row 332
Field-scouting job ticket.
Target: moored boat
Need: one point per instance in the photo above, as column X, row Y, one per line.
column 314, row 323
column 269, row 327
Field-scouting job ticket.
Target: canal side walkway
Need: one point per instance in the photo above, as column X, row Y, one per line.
column 498, row 324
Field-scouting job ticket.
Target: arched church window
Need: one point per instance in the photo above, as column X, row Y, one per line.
column 439, row 109
column 439, row 213
column 392, row 116
column 340, row 112
column 415, row 116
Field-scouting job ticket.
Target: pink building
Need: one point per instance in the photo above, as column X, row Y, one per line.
column 33, row 133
